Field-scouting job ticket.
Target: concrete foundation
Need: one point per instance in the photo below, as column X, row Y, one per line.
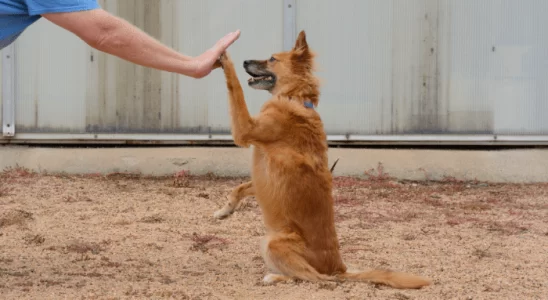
column 520, row 166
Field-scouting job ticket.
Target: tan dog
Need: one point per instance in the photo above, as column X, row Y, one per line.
column 290, row 177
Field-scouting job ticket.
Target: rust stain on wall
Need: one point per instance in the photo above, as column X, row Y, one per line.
column 138, row 98
column 430, row 115
column 421, row 98
column 128, row 97
column 170, row 29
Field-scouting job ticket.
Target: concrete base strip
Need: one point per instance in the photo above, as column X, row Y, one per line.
column 520, row 166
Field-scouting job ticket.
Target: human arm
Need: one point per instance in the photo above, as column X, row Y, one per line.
column 113, row 35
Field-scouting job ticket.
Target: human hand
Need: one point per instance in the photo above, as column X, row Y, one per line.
column 209, row 60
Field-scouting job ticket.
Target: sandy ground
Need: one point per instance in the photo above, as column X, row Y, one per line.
column 123, row 237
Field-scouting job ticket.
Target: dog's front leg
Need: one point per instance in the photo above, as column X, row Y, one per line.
column 242, row 122
column 266, row 128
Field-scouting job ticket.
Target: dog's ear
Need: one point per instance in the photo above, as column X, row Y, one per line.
column 301, row 44
column 301, row 53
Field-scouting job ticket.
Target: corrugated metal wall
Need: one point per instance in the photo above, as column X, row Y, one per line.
column 431, row 67
column 497, row 53
column 65, row 86
column 449, row 68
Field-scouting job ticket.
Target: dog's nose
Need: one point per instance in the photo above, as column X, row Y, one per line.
column 246, row 63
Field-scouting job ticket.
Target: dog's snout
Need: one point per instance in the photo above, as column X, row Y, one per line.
column 246, row 63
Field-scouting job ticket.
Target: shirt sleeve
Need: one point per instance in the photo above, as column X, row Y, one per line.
column 38, row 7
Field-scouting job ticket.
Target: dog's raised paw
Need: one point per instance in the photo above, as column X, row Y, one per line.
column 225, row 59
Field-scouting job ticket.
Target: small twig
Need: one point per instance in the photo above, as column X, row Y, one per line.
column 334, row 164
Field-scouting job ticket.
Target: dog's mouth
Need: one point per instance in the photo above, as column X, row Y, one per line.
column 263, row 81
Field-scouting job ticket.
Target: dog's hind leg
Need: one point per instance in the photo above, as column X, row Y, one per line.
column 284, row 255
column 234, row 199
column 272, row 278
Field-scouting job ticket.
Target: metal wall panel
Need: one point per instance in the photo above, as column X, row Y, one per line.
column 429, row 66
column 50, row 82
column 204, row 102
column 123, row 97
column 496, row 58
column 391, row 69
column 378, row 68
column 65, row 86
column 8, row 91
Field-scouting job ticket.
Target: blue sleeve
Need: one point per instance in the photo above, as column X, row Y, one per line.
column 38, row 7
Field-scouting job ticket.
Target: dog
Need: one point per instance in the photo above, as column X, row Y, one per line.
column 291, row 180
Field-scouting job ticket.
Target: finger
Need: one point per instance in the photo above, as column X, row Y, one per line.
column 227, row 40
column 237, row 34
column 233, row 36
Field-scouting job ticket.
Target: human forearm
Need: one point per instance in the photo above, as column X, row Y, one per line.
column 113, row 35
column 123, row 40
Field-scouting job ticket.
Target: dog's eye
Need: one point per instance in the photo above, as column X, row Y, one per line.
column 272, row 59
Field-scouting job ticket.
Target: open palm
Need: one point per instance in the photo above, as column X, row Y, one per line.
column 209, row 60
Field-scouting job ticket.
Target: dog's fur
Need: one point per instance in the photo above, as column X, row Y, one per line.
column 290, row 177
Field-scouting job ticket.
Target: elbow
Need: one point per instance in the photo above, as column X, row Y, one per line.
column 240, row 141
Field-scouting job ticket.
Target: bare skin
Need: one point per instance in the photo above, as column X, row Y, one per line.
column 113, row 35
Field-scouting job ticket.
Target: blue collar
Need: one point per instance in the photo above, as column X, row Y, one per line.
column 308, row 104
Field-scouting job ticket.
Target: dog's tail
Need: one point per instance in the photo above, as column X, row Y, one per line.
column 394, row 279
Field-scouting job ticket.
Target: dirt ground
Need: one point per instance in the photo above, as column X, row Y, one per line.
column 130, row 237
